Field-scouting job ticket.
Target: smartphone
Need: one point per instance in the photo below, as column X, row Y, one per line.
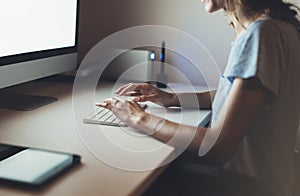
column 32, row 167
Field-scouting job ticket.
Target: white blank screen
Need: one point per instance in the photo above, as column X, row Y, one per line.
column 36, row 25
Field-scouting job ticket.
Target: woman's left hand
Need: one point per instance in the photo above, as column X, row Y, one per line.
column 129, row 112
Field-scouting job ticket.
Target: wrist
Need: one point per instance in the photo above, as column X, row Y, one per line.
column 174, row 101
column 141, row 120
column 148, row 123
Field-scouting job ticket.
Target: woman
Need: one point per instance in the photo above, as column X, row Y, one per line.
column 256, row 107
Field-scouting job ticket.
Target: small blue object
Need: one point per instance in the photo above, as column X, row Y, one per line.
column 152, row 56
column 163, row 51
column 161, row 56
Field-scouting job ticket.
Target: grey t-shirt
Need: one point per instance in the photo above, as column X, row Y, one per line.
column 270, row 51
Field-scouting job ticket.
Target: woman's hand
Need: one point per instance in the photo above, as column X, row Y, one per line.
column 129, row 112
column 145, row 92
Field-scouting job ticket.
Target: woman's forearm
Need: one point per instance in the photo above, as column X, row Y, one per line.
column 182, row 137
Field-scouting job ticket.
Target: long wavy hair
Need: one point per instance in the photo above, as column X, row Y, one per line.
column 277, row 9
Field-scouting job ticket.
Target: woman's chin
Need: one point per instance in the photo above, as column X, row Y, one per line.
column 210, row 7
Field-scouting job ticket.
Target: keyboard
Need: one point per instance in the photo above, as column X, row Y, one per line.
column 103, row 116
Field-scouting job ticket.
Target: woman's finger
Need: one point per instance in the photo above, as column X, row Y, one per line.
column 118, row 102
column 133, row 93
column 130, row 88
column 105, row 104
column 143, row 98
column 127, row 88
column 122, row 88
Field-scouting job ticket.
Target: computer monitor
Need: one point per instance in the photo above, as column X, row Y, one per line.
column 38, row 38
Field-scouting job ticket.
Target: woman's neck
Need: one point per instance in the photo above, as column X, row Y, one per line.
column 236, row 24
column 240, row 25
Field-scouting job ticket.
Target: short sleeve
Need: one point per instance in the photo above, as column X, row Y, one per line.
column 257, row 53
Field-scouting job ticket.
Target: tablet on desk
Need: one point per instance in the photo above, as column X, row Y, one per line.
column 32, row 167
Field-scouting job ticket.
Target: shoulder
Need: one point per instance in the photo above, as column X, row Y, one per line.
column 270, row 28
column 267, row 27
column 265, row 24
column 263, row 32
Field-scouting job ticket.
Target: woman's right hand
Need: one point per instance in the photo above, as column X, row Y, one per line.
column 145, row 92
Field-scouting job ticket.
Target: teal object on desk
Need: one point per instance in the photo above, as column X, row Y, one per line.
column 33, row 166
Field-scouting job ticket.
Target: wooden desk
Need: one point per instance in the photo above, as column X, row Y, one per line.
column 114, row 161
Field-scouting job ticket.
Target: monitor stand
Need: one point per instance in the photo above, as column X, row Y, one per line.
column 23, row 102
